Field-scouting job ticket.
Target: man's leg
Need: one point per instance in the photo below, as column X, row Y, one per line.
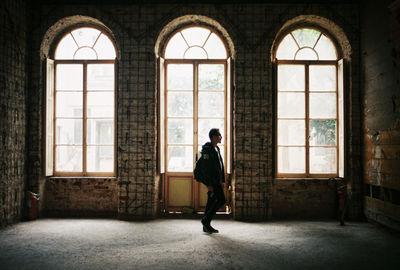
column 214, row 201
column 219, row 193
column 209, row 211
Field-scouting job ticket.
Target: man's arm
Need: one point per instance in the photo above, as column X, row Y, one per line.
column 206, row 168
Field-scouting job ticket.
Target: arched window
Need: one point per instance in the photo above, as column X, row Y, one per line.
column 309, row 106
column 194, row 98
column 84, row 105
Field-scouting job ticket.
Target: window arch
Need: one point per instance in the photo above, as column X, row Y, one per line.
column 195, row 43
column 310, row 112
column 306, row 44
column 194, row 97
column 85, row 43
column 81, row 105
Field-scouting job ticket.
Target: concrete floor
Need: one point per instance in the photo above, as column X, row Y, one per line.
column 180, row 244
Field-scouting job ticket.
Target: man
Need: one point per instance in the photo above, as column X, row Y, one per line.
column 214, row 174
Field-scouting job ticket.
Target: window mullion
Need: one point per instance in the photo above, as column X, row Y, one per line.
column 195, row 108
column 307, row 92
column 84, row 150
column 337, row 120
column 54, row 117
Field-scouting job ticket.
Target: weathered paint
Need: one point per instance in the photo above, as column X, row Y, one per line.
column 381, row 149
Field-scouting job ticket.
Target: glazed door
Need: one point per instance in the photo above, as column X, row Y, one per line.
column 195, row 102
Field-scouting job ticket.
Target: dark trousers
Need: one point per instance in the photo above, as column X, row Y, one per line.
column 215, row 199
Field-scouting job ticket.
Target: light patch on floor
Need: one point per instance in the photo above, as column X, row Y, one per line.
column 181, row 244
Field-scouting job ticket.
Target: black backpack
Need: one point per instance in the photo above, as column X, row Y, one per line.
column 198, row 170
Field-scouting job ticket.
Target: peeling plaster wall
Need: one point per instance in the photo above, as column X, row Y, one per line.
column 381, row 78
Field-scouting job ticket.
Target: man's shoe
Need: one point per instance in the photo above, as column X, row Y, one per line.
column 206, row 227
column 206, row 230
column 213, row 230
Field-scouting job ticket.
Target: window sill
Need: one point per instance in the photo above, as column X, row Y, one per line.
column 309, row 179
column 81, row 177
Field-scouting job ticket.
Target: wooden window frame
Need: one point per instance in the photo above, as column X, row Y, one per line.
column 84, row 172
column 307, row 174
column 212, row 31
column 195, row 63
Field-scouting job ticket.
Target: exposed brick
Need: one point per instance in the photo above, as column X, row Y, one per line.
column 13, row 47
column 252, row 29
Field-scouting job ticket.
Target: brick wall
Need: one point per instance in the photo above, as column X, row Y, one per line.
column 12, row 109
column 82, row 197
column 252, row 29
column 381, row 69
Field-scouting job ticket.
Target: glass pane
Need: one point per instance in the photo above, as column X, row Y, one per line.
column 69, row 158
column 176, row 47
column 306, row 37
column 287, row 48
column 211, row 104
column 85, row 36
column 100, row 131
column 85, row 53
column 306, row 54
column 69, row 77
column 222, row 152
column 211, row 77
column 69, row 131
column 215, row 48
column 100, row 159
column 195, row 53
column 291, row 78
column 291, row 159
column 291, row 132
column 322, row 78
column 196, row 35
column 66, row 48
column 180, row 131
column 204, row 128
column 322, row 132
column 104, row 48
column 69, row 104
column 100, row 104
column 180, row 159
column 291, row 105
column 322, row 105
column 322, row 160
column 100, row 77
column 180, row 104
column 325, row 48
column 180, row 77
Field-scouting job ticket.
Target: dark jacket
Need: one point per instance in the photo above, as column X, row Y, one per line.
column 212, row 171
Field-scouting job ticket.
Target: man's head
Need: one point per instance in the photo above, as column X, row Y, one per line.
column 215, row 136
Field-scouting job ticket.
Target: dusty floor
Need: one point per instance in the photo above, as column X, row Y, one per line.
column 180, row 244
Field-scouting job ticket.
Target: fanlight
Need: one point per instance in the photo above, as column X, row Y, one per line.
column 85, row 44
column 306, row 44
column 195, row 43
